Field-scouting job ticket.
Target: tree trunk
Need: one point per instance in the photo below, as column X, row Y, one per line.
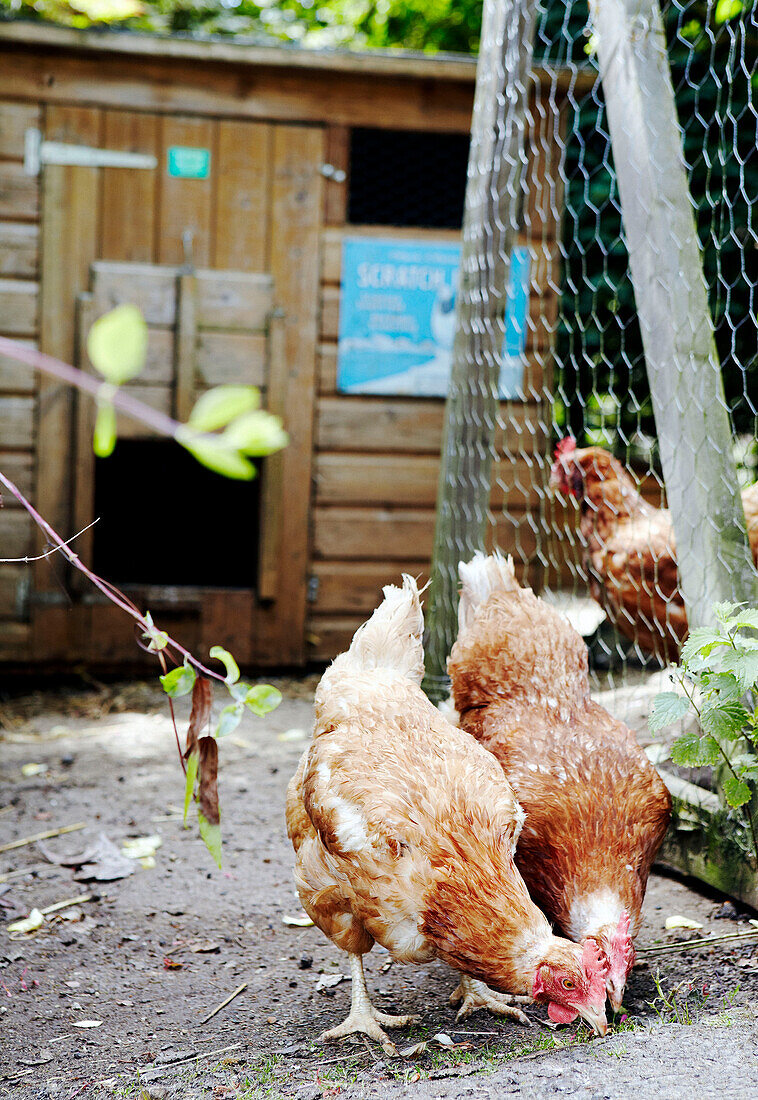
column 694, row 432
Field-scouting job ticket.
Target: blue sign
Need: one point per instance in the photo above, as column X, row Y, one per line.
column 397, row 318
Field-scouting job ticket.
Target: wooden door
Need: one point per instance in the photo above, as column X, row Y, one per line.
column 257, row 209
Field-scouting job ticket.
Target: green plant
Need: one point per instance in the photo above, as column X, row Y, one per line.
column 224, row 429
column 681, row 1004
column 718, row 677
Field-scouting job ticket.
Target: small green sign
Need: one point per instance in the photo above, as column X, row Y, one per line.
column 189, row 164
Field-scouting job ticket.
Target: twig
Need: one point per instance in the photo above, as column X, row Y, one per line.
column 462, row 1031
column 65, row 904
column 32, row 868
column 198, row 1055
column 223, row 1004
column 41, row 836
column 19, row 1073
column 343, row 1058
column 124, row 402
column 48, row 553
column 114, row 594
column 684, row 945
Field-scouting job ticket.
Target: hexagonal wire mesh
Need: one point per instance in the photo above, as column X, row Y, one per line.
column 594, row 544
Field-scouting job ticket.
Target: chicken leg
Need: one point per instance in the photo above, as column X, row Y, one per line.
column 472, row 995
column 363, row 1017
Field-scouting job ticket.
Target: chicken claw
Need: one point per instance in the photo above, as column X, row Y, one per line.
column 472, row 995
column 363, row 1017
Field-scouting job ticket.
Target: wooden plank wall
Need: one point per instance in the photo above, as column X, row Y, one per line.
column 19, row 310
column 376, row 459
column 261, row 176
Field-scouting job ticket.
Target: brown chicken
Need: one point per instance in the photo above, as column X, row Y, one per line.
column 404, row 831
column 630, row 551
column 596, row 810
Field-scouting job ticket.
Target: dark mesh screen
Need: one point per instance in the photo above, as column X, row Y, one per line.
column 407, row 178
column 165, row 519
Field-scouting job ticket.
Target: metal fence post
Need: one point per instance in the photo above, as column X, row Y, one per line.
column 492, row 210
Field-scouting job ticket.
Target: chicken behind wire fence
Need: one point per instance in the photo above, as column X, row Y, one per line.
column 603, row 542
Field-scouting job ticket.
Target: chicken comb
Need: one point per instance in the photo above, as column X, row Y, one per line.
column 565, row 446
column 621, row 940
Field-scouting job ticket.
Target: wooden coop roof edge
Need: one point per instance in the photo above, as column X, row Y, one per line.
column 387, row 63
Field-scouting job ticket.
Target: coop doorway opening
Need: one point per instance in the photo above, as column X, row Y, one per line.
column 163, row 519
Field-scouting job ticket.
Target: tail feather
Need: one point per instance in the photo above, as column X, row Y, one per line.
column 510, row 642
column 392, row 638
column 481, row 577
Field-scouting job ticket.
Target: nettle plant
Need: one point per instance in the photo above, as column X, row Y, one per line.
column 718, row 681
column 225, row 429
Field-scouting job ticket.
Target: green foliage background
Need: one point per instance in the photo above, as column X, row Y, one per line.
column 713, row 50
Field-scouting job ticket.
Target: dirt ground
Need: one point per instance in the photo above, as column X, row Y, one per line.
column 110, row 997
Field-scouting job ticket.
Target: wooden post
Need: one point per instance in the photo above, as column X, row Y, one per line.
column 490, row 222
column 694, row 432
column 185, row 343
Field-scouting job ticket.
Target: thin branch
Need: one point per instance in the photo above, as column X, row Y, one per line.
column 703, row 941
column 113, row 594
column 88, row 383
column 48, row 553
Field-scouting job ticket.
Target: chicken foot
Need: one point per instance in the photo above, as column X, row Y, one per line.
column 472, row 995
column 363, row 1017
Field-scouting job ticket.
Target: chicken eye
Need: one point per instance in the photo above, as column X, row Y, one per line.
column 568, row 984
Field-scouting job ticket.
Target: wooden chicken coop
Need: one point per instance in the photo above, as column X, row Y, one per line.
column 127, row 164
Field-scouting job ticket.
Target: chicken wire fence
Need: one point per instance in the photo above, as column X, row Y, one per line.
column 554, row 332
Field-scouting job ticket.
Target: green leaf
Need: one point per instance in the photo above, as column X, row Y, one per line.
column 736, row 791
column 229, row 719
column 256, row 433
column 229, row 663
column 211, row 834
column 744, row 665
column 214, row 454
column 708, row 752
column 722, row 684
column 156, row 639
column 691, row 29
column 108, row 11
column 668, row 707
column 179, row 681
column 723, row 720
column 239, row 690
column 726, row 10
column 686, row 750
column 217, row 407
column 693, row 751
column 701, row 643
column 104, row 437
column 724, row 610
column 744, row 618
column 189, row 787
column 117, row 344
column 263, row 698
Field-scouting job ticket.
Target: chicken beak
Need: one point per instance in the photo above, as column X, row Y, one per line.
column 595, row 1017
column 616, row 997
